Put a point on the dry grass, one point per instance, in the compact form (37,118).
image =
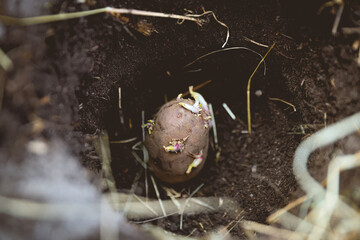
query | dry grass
(249,85)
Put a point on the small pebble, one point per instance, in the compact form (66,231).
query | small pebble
(258,93)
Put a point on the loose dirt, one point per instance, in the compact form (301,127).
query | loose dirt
(68,73)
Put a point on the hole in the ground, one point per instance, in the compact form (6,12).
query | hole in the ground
(249,168)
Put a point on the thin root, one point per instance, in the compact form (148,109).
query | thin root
(221,23)
(278,99)
(256,43)
(226,49)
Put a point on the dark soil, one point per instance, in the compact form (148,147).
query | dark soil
(80,64)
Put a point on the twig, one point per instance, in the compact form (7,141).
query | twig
(236,223)
(191,233)
(291,222)
(119,92)
(217,147)
(124,141)
(278,99)
(287,36)
(158,195)
(33,210)
(136,156)
(45,211)
(154,219)
(272,231)
(136,146)
(214,125)
(142,124)
(103,150)
(248,87)
(146,160)
(304,208)
(143,162)
(137,209)
(195,70)
(237,220)
(121,114)
(145,204)
(66,16)
(48,18)
(132,190)
(201,203)
(172,197)
(350,30)
(186,202)
(274,217)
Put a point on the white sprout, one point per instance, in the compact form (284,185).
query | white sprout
(325,210)
(228,110)
(325,201)
(319,139)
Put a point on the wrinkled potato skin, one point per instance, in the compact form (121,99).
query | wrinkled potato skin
(175,122)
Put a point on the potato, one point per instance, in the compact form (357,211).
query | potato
(177,140)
